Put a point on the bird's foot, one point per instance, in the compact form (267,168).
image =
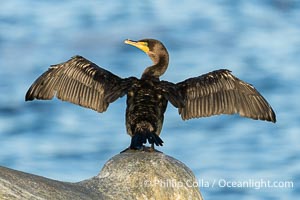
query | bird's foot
(143,148)
(131,149)
(152,147)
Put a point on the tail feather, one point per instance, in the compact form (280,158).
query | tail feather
(141,138)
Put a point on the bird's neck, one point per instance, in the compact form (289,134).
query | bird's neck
(160,65)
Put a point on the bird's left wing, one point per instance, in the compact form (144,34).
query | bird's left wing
(78,81)
(219,92)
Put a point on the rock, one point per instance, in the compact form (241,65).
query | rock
(146,175)
(19,185)
(129,175)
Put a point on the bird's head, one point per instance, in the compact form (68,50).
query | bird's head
(156,51)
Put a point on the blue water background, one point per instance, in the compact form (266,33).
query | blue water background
(258,40)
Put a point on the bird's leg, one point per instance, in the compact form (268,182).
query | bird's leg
(152,147)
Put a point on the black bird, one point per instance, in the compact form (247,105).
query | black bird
(82,82)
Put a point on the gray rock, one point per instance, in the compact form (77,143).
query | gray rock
(129,175)
(19,185)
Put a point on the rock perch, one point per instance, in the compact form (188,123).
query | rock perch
(129,175)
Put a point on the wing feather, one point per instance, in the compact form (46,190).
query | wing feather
(78,81)
(219,92)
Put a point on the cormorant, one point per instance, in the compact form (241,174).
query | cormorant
(82,82)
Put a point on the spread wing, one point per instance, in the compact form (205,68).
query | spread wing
(219,92)
(78,81)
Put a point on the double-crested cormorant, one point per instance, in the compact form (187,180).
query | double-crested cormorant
(82,82)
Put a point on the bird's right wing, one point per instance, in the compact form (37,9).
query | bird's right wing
(78,81)
(219,92)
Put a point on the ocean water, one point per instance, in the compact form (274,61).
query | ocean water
(232,157)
